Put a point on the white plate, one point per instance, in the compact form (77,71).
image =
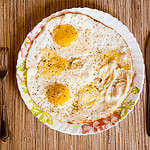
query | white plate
(101,124)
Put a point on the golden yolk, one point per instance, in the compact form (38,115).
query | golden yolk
(64,34)
(111,55)
(51,64)
(89,95)
(58,94)
(114,55)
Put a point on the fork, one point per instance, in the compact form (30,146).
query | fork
(4,130)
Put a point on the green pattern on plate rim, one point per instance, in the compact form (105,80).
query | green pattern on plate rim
(85,128)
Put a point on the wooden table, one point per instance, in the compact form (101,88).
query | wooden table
(17,18)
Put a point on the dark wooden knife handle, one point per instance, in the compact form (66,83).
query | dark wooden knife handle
(148,107)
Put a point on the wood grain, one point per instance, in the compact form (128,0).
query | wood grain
(17,18)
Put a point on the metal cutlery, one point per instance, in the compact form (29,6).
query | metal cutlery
(4,130)
(147,61)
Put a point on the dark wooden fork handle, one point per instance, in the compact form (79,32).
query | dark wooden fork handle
(4,134)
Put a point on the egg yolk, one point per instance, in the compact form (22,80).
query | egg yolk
(64,34)
(51,64)
(58,94)
(89,95)
(114,55)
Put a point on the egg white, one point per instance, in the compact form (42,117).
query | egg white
(93,40)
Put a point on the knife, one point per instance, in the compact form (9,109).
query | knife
(147,61)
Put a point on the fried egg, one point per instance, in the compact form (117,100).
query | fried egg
(78,69)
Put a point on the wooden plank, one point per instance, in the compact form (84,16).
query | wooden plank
(18,17)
